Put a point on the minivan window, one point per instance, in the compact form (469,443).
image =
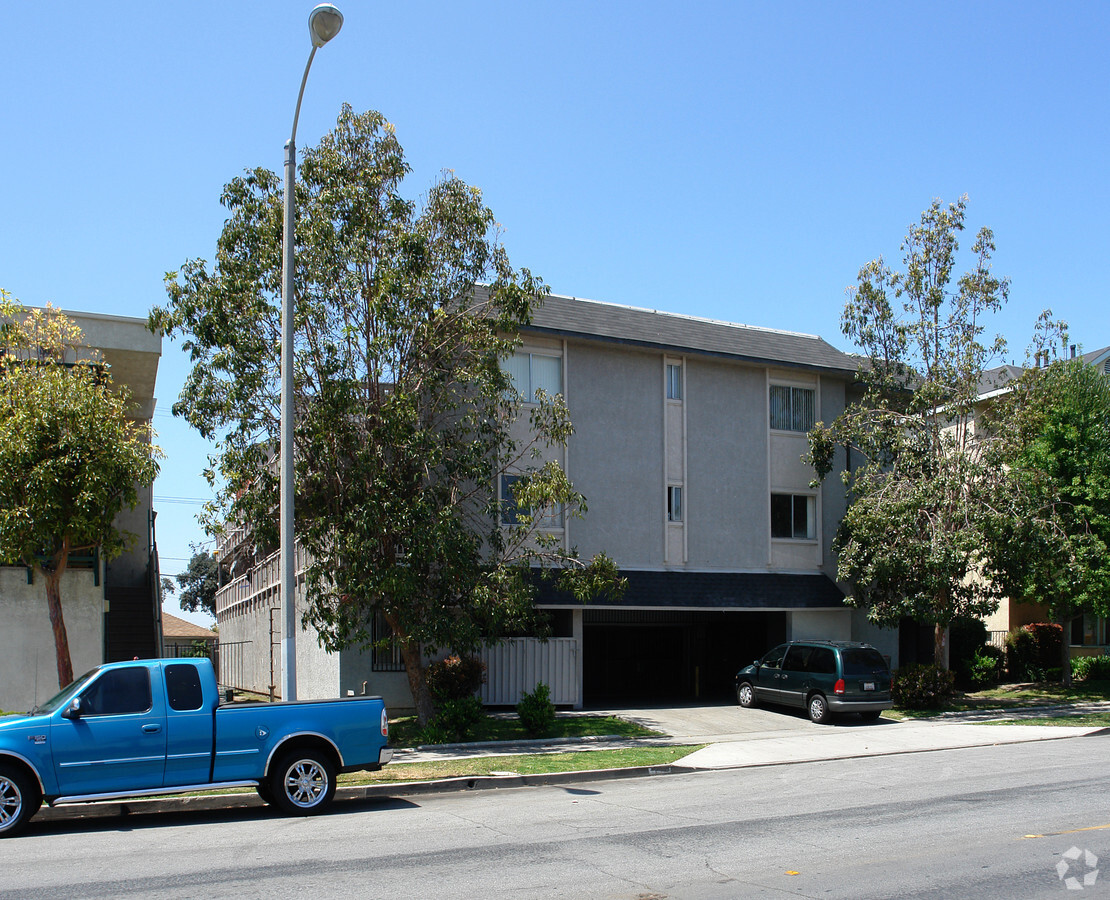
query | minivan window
(862,661)
(773,659)
(796,659)
(822,661)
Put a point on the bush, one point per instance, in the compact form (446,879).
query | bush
(1033,650)
(1090,668)
(922,687)
(536,711)
(967,635)
(986,669)
(455,677)
(454,721)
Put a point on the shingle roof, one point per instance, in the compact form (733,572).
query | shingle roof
(173,627)
(575,317)
(711,590)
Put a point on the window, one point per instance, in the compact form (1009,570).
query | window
(116,692)
(793,516)
(674,503)
(531,372)
(183,687)
(512,511)
(821,661)
(385,649)
(674,381)
(792,408)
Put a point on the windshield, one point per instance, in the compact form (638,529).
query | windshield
(63,695)
(862,661)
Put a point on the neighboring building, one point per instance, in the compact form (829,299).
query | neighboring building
(1087,634)
(182,638)
(111,611)
(688,441)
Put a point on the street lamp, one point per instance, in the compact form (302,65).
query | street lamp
(324,23)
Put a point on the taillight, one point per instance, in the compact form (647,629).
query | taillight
(385,724)
(838,688)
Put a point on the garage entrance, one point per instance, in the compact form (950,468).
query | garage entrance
(653,656)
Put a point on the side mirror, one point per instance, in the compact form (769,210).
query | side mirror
(73,710)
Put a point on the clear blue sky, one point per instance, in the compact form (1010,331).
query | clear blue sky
(731,160)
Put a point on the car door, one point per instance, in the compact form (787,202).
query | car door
(116,741)
(792,688)
(768,675)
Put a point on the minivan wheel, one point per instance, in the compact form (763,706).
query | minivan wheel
(818,709)
(745,695)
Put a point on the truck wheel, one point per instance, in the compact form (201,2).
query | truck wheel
(19,800)
(745,695)
(265,793)
(303,783)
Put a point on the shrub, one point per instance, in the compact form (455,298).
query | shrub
(922,687)
(967,635)
(455,677)
(454,720)
(986,669)
(1033,650)
(536,711)
(1090,668)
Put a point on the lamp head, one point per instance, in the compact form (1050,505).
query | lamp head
(324,23)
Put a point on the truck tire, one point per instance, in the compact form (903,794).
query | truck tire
(19,799)
(302,783)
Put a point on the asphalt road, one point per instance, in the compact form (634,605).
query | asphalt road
(983,822)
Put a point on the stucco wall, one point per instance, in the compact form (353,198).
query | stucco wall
(28,667)
(820,625)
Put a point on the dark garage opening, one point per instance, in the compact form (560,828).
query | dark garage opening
(654,656)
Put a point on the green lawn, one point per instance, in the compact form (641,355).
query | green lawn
(1016,696)
(404,732)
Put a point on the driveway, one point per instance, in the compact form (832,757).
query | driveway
(725,722)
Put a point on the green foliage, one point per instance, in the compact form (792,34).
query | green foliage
(536,711)
(922,687)
(1091,668)
(199,583)
(967,637)
(1033,651)
(1053,544)
(71,458)
(455,677)
(454,721)
(985,669)
(405,416)
(920,490)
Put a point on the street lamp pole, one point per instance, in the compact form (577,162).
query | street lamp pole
(324,23)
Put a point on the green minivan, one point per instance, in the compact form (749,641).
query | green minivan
(823,677)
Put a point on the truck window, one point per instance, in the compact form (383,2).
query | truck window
(183,687)
(118,692)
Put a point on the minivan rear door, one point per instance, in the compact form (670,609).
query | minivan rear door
(866,674)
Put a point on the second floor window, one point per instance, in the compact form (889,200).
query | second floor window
(674,381)
(793,408)
(794,516)
(674,503)
(531,372)
(512,510)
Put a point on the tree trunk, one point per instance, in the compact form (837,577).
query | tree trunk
(940,645)
(413,656)
(57,620)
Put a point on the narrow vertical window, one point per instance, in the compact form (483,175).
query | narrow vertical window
(674,503)
(674,381)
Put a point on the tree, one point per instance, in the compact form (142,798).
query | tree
(405,415)
(199,583)
(922,489)
(1053,547)
(70,458)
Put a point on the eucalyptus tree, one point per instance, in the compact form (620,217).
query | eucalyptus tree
(405,314)
(70,457)
(922,489)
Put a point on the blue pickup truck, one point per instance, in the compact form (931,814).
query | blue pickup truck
(157,726)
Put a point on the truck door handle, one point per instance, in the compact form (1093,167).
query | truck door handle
(152,729)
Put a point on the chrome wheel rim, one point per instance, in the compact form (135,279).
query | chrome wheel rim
(817,709)
(306,783)
(11,802)
(745,694)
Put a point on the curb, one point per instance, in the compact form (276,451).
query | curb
(248,800)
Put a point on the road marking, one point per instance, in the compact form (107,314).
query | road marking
(1072,831)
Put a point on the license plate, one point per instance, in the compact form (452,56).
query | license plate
(869,685)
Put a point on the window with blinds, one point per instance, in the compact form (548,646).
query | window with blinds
(793,408)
